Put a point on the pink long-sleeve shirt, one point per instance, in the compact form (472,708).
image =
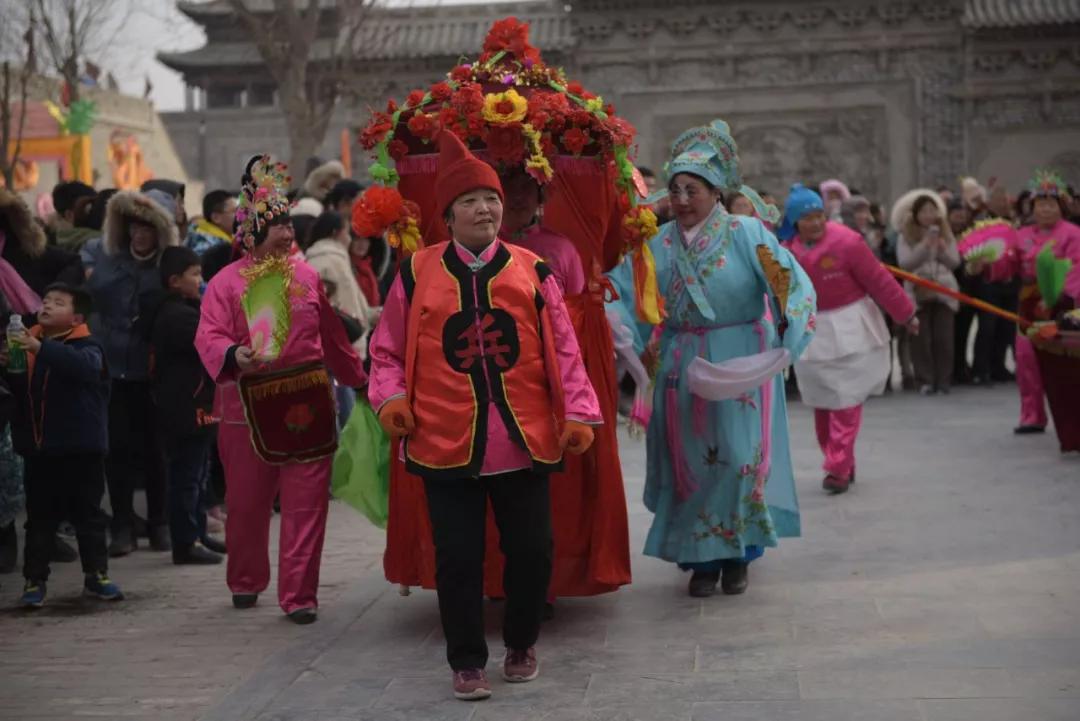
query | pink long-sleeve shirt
(558,252)
(844,270)
(1019,258)
(502,455)
(316,334)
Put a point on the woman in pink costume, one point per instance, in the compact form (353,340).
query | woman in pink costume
(278,430)
(848,359)
(1050,227)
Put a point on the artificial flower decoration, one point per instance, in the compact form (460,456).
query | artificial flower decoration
(1048,184)
(514,111)
(262,197)
(383,211)
(505,108)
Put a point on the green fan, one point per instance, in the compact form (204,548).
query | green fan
(1050,271)
(266,306)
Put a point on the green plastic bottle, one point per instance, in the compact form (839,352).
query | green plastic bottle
(16,353)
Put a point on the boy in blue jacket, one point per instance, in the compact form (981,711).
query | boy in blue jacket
(62,434)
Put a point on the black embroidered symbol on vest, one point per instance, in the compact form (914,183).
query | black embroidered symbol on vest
(471,335)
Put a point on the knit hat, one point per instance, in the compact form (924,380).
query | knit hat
(972,192)
(708,152)
(800,202)
(836,185)
(460,172)
(307,206)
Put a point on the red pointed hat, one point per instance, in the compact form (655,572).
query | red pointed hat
(460,172)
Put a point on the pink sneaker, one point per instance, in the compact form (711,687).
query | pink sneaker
(471,685)
(520,666)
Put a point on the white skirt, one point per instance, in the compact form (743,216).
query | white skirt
(848,359)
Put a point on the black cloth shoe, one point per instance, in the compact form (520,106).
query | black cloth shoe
(1028,430)
(703,583)
(304,616)
(214,544)
(159,538)
(194,555)
(63,552)
(123,543)
(244,600)
(735,577)
(9,548)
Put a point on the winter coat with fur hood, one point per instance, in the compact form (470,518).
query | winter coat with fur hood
(25,247)
(119,282)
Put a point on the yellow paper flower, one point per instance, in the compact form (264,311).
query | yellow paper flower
(505,108)
(540,165)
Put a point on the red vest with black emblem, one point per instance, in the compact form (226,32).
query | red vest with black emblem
(477,339)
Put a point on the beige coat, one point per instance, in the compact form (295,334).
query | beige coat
(331,260)
(914,253)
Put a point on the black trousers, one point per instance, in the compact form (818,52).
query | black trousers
(64,488)
(189,467)
(136,457)
(458,511)
(995,335)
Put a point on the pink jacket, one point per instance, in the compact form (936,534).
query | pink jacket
(559,253)
(1019,258)
(502,455)
(844,270)
(316,334)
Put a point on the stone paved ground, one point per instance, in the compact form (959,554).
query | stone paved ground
(945,587)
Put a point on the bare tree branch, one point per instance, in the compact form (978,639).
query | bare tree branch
(308,47)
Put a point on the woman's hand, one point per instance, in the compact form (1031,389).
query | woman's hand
(245,359)
(913,325)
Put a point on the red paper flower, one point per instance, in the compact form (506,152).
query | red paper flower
(416,97)
(575,88)
(469,99)
(376,210)
(375,131)
(391,106)
(299,418)
(441,92)
(423,126)
(461,74)
(398,149)
(506,143)
(575,140)
(512,36)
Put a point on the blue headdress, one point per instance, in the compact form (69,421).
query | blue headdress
(800,201)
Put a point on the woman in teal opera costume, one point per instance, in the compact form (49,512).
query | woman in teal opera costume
(739,307)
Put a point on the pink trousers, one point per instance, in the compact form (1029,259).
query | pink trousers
(1029,381)
(250,487)
(836,433)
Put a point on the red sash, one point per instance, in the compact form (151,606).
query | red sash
(291,413)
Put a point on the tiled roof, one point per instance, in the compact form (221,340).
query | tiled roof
(449,31)
(986,14)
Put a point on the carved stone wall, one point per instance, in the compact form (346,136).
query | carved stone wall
(886,94)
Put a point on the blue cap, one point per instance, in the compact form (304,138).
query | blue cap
(800,201)
(708,152)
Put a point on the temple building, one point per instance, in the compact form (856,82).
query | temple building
(884,94)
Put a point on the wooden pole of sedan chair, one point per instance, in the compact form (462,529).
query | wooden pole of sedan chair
(962,297)
(346,152)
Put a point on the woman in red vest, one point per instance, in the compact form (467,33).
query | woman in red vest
(476,364)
